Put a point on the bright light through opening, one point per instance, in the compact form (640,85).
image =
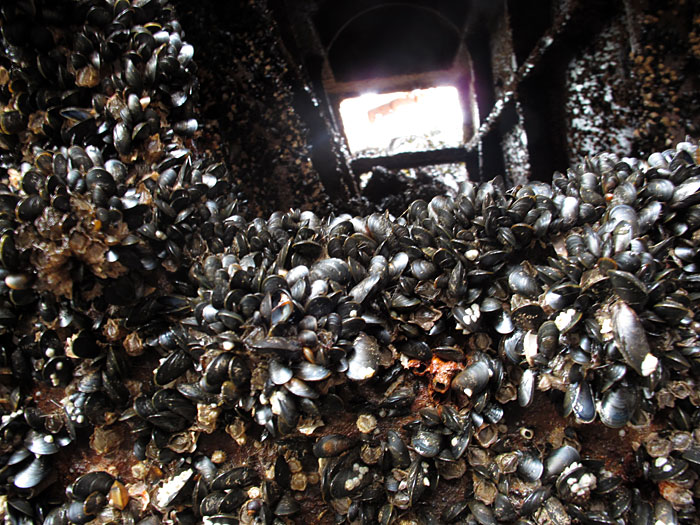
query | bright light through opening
(392,123)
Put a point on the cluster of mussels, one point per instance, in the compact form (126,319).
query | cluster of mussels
(164,359)
(252,102)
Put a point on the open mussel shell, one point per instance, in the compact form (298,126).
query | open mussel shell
(213,503)
(94,503)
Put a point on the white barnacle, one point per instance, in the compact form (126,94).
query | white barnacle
(649,364)
(586,483)
(275,403)
(660,462)
(166,494)
(564,318)
(530,346)
(362,372)
(354,482)
(366,423)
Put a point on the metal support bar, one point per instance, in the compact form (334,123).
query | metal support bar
(414,159)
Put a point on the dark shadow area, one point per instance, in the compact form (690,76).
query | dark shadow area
(529,19)
(392,40)
(543,94)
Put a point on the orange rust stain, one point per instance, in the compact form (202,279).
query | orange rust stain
(391,106)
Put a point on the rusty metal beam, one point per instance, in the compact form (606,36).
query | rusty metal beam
(415,159)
